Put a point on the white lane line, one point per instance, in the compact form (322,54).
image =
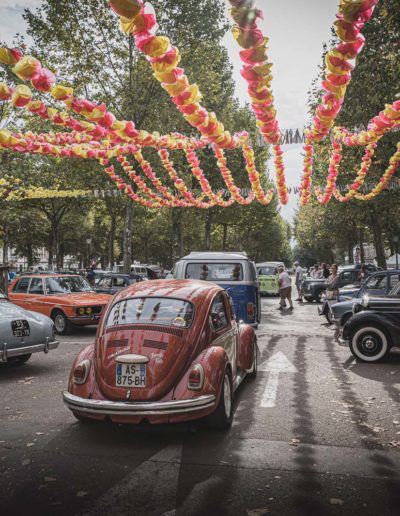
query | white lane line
(143,491)
(276,365)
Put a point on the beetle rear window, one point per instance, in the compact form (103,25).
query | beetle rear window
(159,311)
(214,271)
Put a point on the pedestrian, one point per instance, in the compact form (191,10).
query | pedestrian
(91,276)
(325,271)
(298,279)
(285,288)
(332,284)
(363,274)
(315,272)
(11,274)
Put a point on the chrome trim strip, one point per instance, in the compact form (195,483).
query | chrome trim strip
(158,408)
(92,317)
(15,352)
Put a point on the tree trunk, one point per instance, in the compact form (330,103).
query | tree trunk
(350,252)
(177,236)
(111,240)
(378,242)
(50,249)
(225,237)
(128,230)
(6,244)
(361,245)
(207,232)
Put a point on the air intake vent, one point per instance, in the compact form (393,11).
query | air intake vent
(148,327)
(155,344)
(116,343)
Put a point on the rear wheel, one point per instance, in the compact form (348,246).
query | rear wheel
(221,418)
(369,344)
(62,325)
(19,360)
(253,372)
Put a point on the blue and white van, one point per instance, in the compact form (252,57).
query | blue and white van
(232,271)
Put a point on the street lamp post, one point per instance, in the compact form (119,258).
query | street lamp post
(396,243)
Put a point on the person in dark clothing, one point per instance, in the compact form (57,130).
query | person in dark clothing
(325,271)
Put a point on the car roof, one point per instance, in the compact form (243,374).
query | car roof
(269,264)
(48,275)
(205,255)
(195,291)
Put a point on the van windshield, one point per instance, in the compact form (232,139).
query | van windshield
(214,271)
(160,311)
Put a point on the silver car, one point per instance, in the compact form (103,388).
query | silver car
(23,333)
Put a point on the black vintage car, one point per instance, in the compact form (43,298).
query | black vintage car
(313,288)
(374,327)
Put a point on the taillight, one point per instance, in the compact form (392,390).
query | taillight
(196,378)
(81,372)
(250,311)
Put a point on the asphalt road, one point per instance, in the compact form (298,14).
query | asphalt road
(315,433)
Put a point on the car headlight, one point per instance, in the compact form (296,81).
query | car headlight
(81,311)
(89,310)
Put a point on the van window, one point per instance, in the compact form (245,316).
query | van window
(214,271)
(266,271)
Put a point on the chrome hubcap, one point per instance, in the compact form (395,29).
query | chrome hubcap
(59,323)
(369,343)
(227,396)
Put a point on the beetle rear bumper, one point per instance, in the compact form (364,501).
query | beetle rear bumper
(121,408)
(7,353)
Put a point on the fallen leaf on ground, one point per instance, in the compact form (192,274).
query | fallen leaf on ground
(336,501)
(28,445)
(396,444)
(81,493)
(258,512)
(25,462)
(39,433)
(50,479)
(294,442)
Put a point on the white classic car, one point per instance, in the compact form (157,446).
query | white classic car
(23,333)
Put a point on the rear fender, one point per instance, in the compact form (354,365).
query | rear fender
(87,388)
(214,361)
(247,336)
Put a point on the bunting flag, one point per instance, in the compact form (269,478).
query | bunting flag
(91,131)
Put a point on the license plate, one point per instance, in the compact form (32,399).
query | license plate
(20,328)
(130,375)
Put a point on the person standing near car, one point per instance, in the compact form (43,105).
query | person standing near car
(285,288)
(332,284)
(298,279)
(325,271)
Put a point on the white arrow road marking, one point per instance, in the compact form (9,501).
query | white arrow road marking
(276,365)
(150,487)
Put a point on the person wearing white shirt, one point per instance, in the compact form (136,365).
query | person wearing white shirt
(285,288)
(299,278)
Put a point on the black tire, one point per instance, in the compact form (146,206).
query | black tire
(17,361)
(318,297)
(253,372)
(62,325)
(221,418)
(369,343)
(345,318)
(309,299)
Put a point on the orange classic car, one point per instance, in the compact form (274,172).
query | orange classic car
(68,299)
(166,351)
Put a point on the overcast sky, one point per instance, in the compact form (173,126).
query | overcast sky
(296,31)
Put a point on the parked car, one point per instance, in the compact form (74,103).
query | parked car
(313,288)
(23,333)
(378,284)
(374,327)
(232,271)
(68,300)
(112,283)
(166,351)
(268,277)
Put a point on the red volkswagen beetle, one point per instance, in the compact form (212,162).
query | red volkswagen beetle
(166,351)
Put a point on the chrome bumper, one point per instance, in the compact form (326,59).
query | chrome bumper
(7,353)
(122,408)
